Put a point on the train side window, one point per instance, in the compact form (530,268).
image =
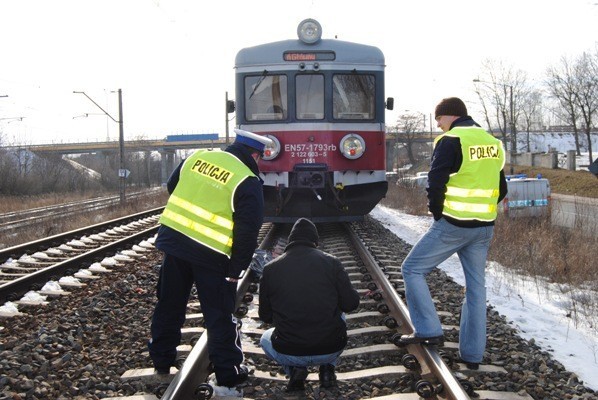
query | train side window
(310,96)
(353,96)
(266,97)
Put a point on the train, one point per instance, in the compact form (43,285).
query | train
(322,103)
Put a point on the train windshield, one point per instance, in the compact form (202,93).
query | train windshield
(309,96)
(353,96)
(266,97)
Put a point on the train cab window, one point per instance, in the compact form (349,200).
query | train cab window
(310,96)
(266,97)
(353,96)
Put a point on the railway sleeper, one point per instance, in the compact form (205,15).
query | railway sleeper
(148,375)
(481,395)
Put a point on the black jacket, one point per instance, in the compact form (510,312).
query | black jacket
(248,218)
(447,159)
(303,293)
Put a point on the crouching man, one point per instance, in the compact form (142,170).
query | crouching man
(304,293)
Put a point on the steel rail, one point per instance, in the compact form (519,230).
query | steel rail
(14,215)
(53,213)
(194,370)
(56,240)
(14,289)
(429,359)
(24,218)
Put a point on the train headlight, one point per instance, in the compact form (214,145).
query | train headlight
(309,31)
(352,146)
(271,151)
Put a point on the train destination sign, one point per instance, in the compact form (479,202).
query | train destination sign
(309,56)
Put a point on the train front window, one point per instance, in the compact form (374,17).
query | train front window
(266,97)
(353,96)
(310,96)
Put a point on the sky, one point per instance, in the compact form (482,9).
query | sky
(174,59)
(538,313)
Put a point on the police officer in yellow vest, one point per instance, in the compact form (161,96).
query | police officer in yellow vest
(465,184)
(208,234)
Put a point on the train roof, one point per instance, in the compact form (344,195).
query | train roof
(346,52)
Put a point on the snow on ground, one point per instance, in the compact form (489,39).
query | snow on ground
(537,311)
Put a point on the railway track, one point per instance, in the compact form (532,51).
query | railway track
(28,266)
(12,222)
(402,373)
(92,342)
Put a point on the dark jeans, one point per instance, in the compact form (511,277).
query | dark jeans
(217,298)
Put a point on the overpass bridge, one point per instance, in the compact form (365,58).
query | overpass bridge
(130,145)
(165,147)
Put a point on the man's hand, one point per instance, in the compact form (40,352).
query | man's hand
(233,280)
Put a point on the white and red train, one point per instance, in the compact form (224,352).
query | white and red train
(322,103)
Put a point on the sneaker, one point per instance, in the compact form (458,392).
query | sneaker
(412,339)
(297,379)
(327,376)
(240,377)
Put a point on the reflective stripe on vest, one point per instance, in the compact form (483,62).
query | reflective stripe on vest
(202,213)
(199,228)
(472,192)
(459,192)
(469,207)
(201,206)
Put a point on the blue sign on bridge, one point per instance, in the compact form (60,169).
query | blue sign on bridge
(192,137)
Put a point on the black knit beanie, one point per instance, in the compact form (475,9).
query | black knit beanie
(451,106)
(304,230)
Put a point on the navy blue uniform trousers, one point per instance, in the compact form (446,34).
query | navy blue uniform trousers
(217,298)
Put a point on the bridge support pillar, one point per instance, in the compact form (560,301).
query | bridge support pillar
(390,155)
(167,164)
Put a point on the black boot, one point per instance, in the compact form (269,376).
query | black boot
(240,376)
(470,364)
(327,376)
(297,378)
(162,370)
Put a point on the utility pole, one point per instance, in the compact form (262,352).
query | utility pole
(397,148)
(431,138)
(122,172)
(513,129)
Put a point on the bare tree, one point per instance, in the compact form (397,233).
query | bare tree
(586,96)
(499,89)
(562,86)
(410,127)
(481,95)
(24,160)
(8,173)
(531,112)
(49,174)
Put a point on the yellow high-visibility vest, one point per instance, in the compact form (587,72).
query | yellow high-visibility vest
(201,206)
(472,192)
